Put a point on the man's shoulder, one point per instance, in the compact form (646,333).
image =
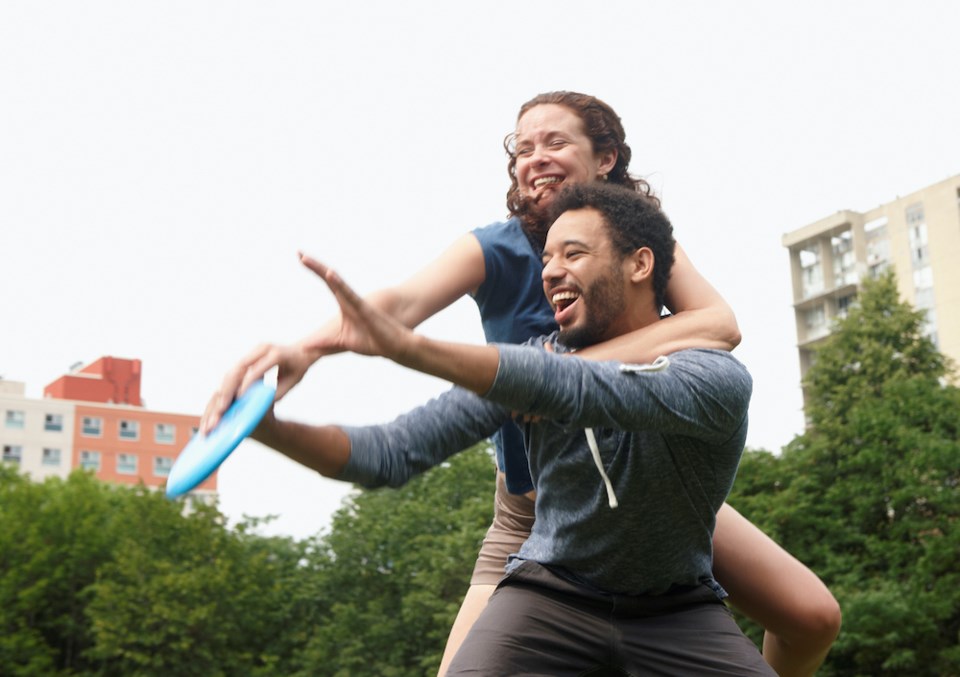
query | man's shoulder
(712,365)
(706,356)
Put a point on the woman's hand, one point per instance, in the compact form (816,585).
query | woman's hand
(292,363)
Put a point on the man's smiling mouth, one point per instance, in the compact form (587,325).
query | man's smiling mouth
(562,299)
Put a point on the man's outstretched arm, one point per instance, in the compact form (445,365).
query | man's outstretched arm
(705,391)
(391,453)
(325,449)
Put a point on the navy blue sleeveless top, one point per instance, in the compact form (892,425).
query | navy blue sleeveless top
(513,309)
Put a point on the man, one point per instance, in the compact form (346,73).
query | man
(630,462)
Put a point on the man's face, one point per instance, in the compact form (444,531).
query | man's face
(584,279)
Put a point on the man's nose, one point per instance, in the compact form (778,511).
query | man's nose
(551,271)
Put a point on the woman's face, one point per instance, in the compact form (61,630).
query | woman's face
(552,149)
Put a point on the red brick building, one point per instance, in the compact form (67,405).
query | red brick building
(93,418)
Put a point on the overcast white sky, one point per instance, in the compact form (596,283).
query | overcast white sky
(162,162)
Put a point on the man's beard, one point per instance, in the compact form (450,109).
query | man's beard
(605,302)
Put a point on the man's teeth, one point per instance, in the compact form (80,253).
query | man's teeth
(546,180)
(562,296)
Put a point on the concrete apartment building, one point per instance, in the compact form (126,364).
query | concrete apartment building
(93,418)
(918,236)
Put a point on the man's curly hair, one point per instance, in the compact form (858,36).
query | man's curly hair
(633,220)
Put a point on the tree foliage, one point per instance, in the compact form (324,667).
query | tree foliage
(394,569)
(108,580)
(868,495)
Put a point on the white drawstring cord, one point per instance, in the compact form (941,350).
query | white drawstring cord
(595,451)
(659,364)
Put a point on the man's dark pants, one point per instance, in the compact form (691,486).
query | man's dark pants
(538,623)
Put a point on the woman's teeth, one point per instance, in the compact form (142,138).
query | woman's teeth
(546,180)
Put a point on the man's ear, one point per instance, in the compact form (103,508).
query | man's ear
(641,265)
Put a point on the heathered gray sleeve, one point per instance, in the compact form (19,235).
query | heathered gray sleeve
(392,453)
(701,393)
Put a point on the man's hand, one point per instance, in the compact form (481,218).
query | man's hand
(363,328)
(368,331)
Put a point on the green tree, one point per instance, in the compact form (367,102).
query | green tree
(53,537)
(182,595)
(868,495)
(390,575)
(878,343)
(101,579)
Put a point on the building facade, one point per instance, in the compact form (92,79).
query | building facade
(918,236)
(93,418)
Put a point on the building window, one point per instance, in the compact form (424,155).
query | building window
(878,244)
(844,304)
(923,278)
(92,426)
(14,419)
(816,323)
(90,460)
(919,251)
(165,433)
(811,273)
(127,464)
(844,263)
(12,453)
(162,466)
(53,423)
(129,430)
(929,326)
(915,214)
(923,298)
(878,269)
(51,457)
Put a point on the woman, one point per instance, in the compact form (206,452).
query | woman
(565,137)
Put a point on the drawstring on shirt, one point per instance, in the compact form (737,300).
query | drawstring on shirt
(595,452)
(659,364)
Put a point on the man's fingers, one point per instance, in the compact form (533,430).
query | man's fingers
(334,281)
(342,290)
(344,293)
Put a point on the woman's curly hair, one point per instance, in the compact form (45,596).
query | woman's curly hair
(603,127)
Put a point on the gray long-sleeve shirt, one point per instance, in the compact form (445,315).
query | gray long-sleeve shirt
(670,441)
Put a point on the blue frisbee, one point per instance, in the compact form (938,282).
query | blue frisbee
(204,453)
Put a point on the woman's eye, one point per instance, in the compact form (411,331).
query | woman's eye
(558,143)
(524,150)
